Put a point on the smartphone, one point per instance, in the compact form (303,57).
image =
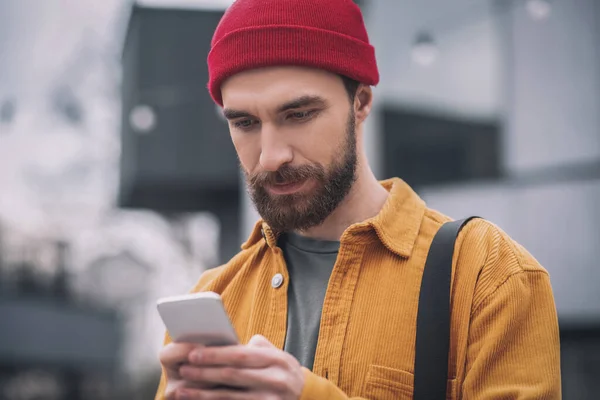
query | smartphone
(198,318)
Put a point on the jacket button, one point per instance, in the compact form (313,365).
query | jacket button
(277,281)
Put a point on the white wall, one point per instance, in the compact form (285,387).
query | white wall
(554,98)
(465,79)
(558,224)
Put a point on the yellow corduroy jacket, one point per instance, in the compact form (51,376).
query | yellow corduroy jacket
(504,329)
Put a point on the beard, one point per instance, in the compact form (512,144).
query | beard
(301,211)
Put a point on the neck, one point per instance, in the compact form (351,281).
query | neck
(365,199)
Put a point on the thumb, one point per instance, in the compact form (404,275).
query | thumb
(260,341)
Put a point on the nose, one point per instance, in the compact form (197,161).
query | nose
(275,152)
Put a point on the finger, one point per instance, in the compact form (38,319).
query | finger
(272,379)
(218,394)
(174,386)
(237,356)
(260,341)
(174,354)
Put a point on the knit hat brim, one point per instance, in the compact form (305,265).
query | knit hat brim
(281,45)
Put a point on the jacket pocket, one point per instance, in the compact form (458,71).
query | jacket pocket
(383,383)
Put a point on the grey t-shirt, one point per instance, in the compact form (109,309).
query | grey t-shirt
(309,263)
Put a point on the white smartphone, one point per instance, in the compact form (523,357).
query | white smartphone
(198,318)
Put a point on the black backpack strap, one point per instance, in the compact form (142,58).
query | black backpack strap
(433,316)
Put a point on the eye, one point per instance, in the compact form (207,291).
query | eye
(244,124)
(301,115)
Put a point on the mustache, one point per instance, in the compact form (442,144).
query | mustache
(286,174)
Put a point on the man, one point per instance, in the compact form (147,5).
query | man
(324,293)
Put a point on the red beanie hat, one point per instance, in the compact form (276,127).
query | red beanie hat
(325,34)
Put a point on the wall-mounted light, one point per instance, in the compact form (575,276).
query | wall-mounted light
(538,9)
(424,50)
(142,118)
(7,111)
(66,104)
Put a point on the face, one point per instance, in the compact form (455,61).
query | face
(294,132)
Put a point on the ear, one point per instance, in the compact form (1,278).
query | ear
(363,102)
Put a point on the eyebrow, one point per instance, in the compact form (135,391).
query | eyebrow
(302,101)
(235,114)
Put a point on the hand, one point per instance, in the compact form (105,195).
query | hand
(256,371)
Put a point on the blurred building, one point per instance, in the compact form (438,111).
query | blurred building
(111,147)
(60,102)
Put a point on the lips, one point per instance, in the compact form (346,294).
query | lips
(286,188)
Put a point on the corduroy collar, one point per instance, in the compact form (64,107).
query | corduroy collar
(397,224)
